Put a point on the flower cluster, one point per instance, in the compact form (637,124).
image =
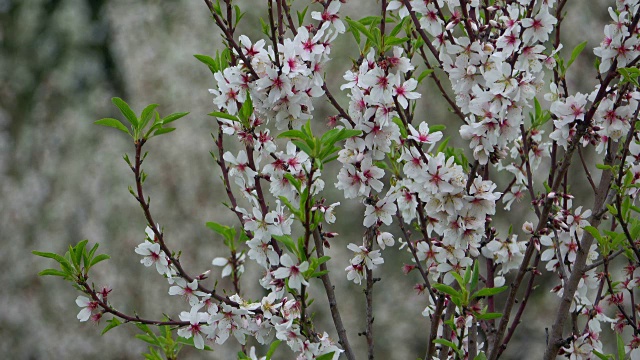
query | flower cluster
(399,167)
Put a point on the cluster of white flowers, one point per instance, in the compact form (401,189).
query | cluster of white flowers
(272,315)
(281,83)
(455,215)
(495,78)
(288,78)
(611,120)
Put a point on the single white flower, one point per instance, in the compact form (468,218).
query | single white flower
(87,305)
(197,326)
(292,271)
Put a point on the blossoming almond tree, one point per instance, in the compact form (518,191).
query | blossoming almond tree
(499,57)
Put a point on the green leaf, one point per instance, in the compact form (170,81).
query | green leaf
(126,111)
(292,134)
(630,75)
(424,74)
(346,134)
(272,348)
(467,275)
(114,123)
(329,159)
(361,28)
(52,272)
(239,14)
(459,279)
(390,41)
(370,20)
(446,343)
(247,109)
(488,316)
(396,29)
(209,61)
(446,289)
(327,356)
(78,251)
(318,274)
(224,116)
(620,347)
(111,324)
(480,356)
(173,117)
(475,276)
(435,128)
(146,115)
(576,51)
(227,232)
(189,342)
(301,15)
(594,232)
(443,145)
(98,259)
(304,147)
(490,291)
(148,339)
(53,256)
(403,129)
(163,131)
(287,241)
(603,356)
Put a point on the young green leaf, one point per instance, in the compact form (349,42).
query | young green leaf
(361,29)
(490,291)
(488,316)
(327,356)
(173,117)
(446,289)
(620,347)
(56,257)
(147,114)
(424,74)
(98,259)
(126,111)
(163,131)
(114,123)
(576,51)
(301,15)
(111,324)
(272,348)
(52,272)
(223,116)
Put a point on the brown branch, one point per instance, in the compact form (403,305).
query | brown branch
(586,170)
(368,292)
(556,338)
(434,77)
(412,248)
(137,171)
(423,35)
(433,331)
(331,297)
(527,163)
(523,304)
(127,318)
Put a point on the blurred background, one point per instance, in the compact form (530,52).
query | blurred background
(62,178)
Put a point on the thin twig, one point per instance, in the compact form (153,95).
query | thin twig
(331,297)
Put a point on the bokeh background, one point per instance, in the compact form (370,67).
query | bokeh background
(62,178)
